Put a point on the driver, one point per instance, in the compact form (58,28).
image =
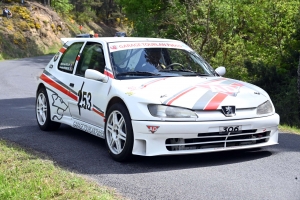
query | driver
(153,57)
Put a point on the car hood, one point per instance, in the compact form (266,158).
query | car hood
(197,93)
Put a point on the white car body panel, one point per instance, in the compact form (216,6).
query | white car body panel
(204,95)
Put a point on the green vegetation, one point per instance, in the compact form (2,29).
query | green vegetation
(257,41)
(289,129)
(26,176)
(21,36)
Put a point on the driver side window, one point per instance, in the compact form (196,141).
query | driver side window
(92,57)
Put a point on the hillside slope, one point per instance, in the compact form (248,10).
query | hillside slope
(36,30)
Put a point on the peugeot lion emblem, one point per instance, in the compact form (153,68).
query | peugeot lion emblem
(228,111)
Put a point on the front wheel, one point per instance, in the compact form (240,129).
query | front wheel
(43,112)
(118,133)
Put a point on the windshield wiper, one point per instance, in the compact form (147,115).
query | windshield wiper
(138,73)
(184,70)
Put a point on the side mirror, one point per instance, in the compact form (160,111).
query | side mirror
(95,75)
(220,71)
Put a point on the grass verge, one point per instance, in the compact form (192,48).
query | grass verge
(289,129)
(26,176)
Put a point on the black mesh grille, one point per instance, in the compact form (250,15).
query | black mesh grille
(216,139)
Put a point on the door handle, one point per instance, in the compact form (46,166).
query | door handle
(71,84)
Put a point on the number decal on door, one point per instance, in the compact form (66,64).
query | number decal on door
(84,99)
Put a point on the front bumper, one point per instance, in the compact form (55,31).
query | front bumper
(174,138)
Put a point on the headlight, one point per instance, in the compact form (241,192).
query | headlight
(264,108)
(170,112)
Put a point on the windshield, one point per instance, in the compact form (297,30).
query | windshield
(139,62)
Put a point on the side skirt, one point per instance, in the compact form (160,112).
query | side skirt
(91,129)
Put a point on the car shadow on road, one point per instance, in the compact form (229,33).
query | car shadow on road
(83,153)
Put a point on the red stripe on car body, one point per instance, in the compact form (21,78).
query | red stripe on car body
(181,94)
(237,84)
(192,88)
(62,50)
(98,112)
(214,103)
(109,74)
(57,86)
(151,82)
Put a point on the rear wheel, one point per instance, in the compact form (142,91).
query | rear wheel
(43,112)
(118,133)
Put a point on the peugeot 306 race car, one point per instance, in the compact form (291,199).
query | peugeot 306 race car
(149,96)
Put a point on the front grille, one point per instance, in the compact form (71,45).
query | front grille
(216,139)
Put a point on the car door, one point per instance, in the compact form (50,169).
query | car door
(58,75)
(92,94)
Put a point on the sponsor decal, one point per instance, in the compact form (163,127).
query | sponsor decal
(132,45)
(152,129)
(132,88)
(89,129)
(66,66)
(60,105)
(130,93)
(113,47)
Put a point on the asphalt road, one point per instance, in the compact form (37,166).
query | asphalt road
(270,173)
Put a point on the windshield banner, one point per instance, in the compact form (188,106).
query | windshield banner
(118,46)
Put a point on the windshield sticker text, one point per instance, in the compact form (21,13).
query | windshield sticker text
(131,45)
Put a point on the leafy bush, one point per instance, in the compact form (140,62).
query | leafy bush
(22,12)
(23,26)
(37,25)
(19,39)
(8,24)
(282,88)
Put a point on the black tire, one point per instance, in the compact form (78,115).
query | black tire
(119,134)
(42,111)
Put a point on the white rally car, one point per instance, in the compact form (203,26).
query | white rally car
(149,96)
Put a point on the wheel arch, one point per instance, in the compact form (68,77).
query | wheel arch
(113,101)
(40,86)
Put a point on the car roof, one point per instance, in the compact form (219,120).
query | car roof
(83,34)
(120,39)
